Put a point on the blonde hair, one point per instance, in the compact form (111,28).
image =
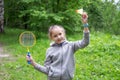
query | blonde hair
(53,27)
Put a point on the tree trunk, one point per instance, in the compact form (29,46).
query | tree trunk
(1,16)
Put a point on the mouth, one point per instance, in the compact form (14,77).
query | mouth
(60,40)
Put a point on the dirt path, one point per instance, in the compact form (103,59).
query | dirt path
(3,54)
(5,58)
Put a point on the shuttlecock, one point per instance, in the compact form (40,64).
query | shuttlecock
(80,11)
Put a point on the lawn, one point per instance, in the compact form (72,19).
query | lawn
(98,61)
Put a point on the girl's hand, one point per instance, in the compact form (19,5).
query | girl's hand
(85,21)
(84,17)
(29,58)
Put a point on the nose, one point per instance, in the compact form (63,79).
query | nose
(58,37)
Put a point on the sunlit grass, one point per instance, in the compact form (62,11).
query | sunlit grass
(99,61)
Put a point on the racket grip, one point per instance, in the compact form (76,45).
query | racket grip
(28,54)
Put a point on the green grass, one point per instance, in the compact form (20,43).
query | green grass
(99,61)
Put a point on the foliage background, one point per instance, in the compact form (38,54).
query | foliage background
(99,61)
(38,15)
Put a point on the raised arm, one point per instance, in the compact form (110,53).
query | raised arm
(85,21)
(85,41)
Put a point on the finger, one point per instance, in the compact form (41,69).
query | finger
(84,15)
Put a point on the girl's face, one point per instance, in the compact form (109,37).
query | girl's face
(58,35)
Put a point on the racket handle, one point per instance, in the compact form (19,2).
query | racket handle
(28,54)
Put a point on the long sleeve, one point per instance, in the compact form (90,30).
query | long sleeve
(81,43)
(45,68)
(41,68)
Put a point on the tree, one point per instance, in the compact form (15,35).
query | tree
(38,15)
(1,16)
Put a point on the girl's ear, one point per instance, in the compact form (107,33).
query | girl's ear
(64,35)
(50,37)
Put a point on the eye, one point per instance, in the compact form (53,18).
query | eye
(55,36)
(60,33)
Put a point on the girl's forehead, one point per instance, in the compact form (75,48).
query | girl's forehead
(57,30)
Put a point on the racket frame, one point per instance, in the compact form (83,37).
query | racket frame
(29,32)
(20,41)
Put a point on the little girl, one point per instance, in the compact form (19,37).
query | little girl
(59,63)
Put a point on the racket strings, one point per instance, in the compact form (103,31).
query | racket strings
(27,39)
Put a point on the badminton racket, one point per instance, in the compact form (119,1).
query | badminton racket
(27,39)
